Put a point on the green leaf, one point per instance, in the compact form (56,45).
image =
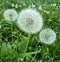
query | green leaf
(23,44)
(30,53)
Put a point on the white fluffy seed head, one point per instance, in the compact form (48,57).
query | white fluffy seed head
(47,36)
(30,21)
(10,15)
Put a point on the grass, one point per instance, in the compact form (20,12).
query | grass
(13,43)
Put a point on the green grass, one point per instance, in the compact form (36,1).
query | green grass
(13,43)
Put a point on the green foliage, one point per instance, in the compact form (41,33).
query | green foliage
(13,42)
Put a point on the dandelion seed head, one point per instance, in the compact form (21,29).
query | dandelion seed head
(47,36)
(30,21)
(10,15)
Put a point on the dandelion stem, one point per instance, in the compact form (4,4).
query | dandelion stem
(26,46)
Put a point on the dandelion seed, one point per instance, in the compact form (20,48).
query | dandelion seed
(10,15)
(47,36)
(30,21)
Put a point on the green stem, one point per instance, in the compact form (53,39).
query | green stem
(35,54)
(11,32)
(34,57)
(26,46)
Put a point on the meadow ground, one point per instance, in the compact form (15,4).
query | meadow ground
(13,41)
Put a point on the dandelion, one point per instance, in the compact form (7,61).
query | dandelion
(47,36)
(30,21)
(10,15)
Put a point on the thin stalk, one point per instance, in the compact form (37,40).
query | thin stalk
(11,31)
(26,46)
(33,57)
